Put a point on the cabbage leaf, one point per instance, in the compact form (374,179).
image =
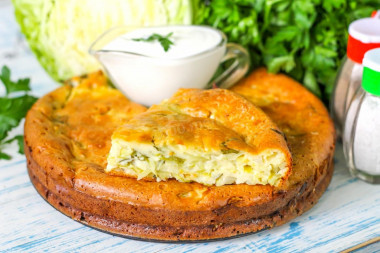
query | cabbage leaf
(60,32)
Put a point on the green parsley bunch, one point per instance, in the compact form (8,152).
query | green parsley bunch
(13,109)
(306,39)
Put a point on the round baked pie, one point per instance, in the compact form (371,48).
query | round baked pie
(68,136)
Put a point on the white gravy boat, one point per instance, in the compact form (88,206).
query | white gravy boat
(150,79)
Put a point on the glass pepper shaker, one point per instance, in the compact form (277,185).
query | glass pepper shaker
(364,35)
(361,136)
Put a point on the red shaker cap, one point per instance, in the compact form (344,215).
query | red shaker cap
(363,35)
(375,14)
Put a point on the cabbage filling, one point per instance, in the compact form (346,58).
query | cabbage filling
(208,167)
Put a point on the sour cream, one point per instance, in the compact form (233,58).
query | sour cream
(147,74)
(187,41)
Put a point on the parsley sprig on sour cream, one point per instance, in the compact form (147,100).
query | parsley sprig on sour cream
(164,40)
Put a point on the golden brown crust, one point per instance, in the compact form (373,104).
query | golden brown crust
(230,110)
(202,118)
(67,141)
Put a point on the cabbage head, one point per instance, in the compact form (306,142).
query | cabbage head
(60,32)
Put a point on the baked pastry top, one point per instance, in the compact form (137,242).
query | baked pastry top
(68,137)
(213,137)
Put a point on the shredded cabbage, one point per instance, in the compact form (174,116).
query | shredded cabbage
(187,164)
(60,32)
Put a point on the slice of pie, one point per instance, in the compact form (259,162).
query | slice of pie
(213,137)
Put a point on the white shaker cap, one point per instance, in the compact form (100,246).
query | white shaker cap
(367,30)
(372,59)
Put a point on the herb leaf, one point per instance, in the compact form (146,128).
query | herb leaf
(4,156)
(13,110)
(10,86)
(164,40)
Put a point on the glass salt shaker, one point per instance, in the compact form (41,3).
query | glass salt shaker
(364,35)
(361,135)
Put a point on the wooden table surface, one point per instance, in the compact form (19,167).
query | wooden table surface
(347,217)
